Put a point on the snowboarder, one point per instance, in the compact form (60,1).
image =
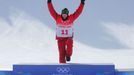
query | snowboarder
(64,30)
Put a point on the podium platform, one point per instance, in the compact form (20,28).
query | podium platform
(66,69)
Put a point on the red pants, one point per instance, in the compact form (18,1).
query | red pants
(65,46)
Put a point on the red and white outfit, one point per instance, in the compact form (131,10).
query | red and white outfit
(64,31)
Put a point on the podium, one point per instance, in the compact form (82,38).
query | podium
(64,69)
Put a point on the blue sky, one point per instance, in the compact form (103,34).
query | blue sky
(90,26)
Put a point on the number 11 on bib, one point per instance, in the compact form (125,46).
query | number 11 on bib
(64,32)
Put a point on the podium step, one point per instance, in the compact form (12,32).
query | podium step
(7,73)
(67,69)
(125,72)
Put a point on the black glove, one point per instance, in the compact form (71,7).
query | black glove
(48,1)
(83,1)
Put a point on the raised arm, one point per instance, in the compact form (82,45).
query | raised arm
(52,10)
(79,10)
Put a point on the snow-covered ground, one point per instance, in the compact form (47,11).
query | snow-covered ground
(29,41)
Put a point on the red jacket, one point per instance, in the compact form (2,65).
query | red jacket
(67,25)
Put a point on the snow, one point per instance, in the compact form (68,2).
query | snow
(29,41)
(123,32)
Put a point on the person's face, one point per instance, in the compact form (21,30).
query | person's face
(64,16)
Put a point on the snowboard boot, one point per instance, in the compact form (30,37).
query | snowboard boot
(68,58)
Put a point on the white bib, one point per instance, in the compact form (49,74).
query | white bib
(63,31)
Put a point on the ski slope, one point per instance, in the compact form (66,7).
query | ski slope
(26,40)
